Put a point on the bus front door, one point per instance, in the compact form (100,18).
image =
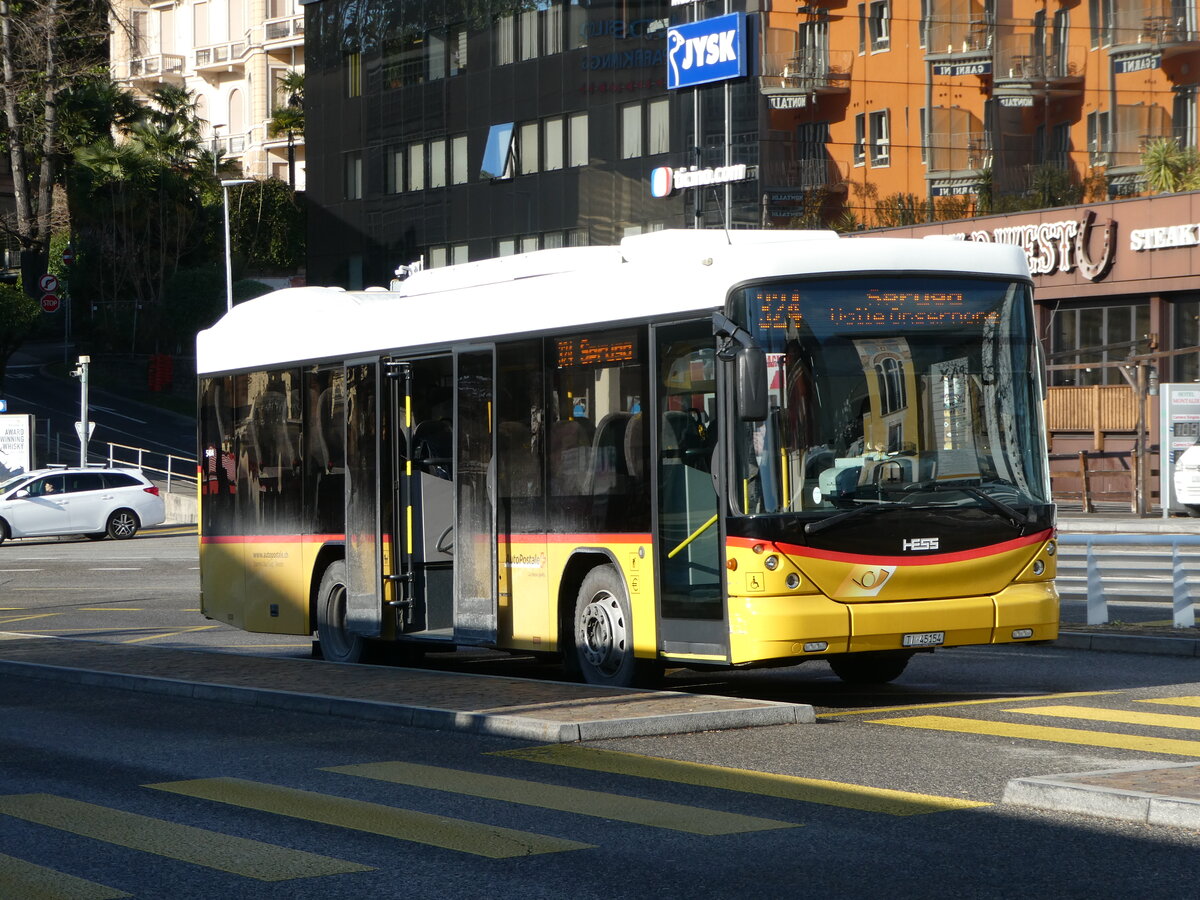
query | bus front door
(475,572)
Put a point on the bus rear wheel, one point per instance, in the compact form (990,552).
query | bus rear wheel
(870,668)
(603,631)
(338,644)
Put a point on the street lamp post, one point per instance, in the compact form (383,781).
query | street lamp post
(226,184)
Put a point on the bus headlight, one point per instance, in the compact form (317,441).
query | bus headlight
(1038,567)
(793,581)
(1021,633)
(771,562)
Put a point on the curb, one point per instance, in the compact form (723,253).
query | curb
(1058,793)
(1129,643)
(518,727)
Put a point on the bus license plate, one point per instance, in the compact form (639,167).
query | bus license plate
(924,639)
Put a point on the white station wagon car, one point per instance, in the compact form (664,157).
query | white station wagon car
(93,502)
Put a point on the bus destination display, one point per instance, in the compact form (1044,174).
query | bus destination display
(586,350)
(870,309)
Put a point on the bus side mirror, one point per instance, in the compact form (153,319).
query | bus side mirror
(751,384)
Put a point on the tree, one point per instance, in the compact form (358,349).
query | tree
(18,314)
(45,45)
(1167,167)
(289,118)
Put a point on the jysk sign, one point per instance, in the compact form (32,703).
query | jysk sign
(707,51)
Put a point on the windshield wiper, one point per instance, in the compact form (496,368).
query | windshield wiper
(822,524)
(1017,518)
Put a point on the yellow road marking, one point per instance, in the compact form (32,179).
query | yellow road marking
(171,633)
(1126,717)
(225,853)
(8,620)
(28,881)
(1175,701)
(1044,733)
(787,787)
(374,818)
(951,703)
(111,609)
(657,814)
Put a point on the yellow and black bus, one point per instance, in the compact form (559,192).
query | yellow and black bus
(695,449)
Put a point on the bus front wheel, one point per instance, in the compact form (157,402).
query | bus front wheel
(337,643)
(603,631)
(870,668)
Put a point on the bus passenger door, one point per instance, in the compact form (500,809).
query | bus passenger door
(475,572)
(368,498)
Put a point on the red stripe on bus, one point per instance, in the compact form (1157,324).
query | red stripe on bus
(271,538)
(933,559)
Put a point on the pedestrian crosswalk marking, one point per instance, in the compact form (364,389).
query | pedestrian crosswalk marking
(1175,701)
(1122,716)
(1172,746)
(673,816)
(225,853)
(479,839)
(28,881)
(787,787)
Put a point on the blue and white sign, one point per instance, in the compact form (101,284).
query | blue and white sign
(707,51)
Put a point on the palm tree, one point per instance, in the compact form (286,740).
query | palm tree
(289,118)
(1167,167)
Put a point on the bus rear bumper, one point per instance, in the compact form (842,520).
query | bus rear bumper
(796,626)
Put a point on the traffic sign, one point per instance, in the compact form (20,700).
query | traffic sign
(79,430)
(48,283)
(3,405)
(68,256)
(50,302)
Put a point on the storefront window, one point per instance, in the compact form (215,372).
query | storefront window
(1098,334)
(1186,333)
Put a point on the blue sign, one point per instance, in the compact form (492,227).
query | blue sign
(708,51)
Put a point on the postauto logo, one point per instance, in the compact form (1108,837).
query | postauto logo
(707,51)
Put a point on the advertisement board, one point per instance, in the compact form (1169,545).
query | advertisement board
(1179,461)
(706,51)
(16,444)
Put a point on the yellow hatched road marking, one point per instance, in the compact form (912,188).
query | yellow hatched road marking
(8,620)
(374,818)
(19,878)
(172,633)
(787,787)
(225,853)
(1125,717)
(1172,746)
(951,703)
(674,816)
(1175,701)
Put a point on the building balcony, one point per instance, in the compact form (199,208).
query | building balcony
(163,67)
(959,154)
(226,57)
(806,74)
(812,174)
(1021,74)
(284,32)
(1153,32)
(968,39)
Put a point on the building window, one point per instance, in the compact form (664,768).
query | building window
(880,138)
(552,27)
(497,155)
(529,243)
(506,247)
(527,148)
(577,138)
(438,257)
(881,20)
(353,74)
(860,139)
(631,130)
(506,40)
(1094,335)
(1183,116)
(552,144)
(577,14)
(403,59)
(353,181)
(456,42)
(1099,138)
(1101,14)
(393,173)
(578,237)
(658,133)
(889,374)
(416,167)
(458,254)
(437,163)
(552,240)
(862,28)
(435,57)
(528,41)
(458,159)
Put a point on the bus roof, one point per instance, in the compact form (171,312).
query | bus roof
(652,275)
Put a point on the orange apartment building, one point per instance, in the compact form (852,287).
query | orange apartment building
(891,103)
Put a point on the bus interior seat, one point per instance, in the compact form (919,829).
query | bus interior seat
(570,447)
(635,447)
(609,468)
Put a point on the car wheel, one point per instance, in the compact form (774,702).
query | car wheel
(3,531)
(337,643)
(122,525)
(97,536)
(870,668)
(603,631)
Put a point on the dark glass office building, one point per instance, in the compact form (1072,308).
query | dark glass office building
(459,130)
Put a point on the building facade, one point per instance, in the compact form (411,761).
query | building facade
(232,55)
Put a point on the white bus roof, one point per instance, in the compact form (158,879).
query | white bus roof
(651,275)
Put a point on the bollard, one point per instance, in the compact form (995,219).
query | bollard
(1097,607)
(1184,613)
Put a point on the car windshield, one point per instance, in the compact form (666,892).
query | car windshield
(11,483)
(917,390)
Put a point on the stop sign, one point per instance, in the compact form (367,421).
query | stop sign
(50,302)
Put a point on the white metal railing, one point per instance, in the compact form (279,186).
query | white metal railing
(1148,582)
(172,468)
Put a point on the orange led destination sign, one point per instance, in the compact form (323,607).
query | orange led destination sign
(872,308)
(596,351)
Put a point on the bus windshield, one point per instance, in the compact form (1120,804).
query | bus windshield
(921,390)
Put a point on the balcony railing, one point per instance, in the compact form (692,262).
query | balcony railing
(1157,24)
(959,151)
(807,72)
(282,29)
(226,54)
(156,68)
(959,38)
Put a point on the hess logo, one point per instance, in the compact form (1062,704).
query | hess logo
(912,545)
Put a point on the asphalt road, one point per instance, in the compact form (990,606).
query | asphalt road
(103,785)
